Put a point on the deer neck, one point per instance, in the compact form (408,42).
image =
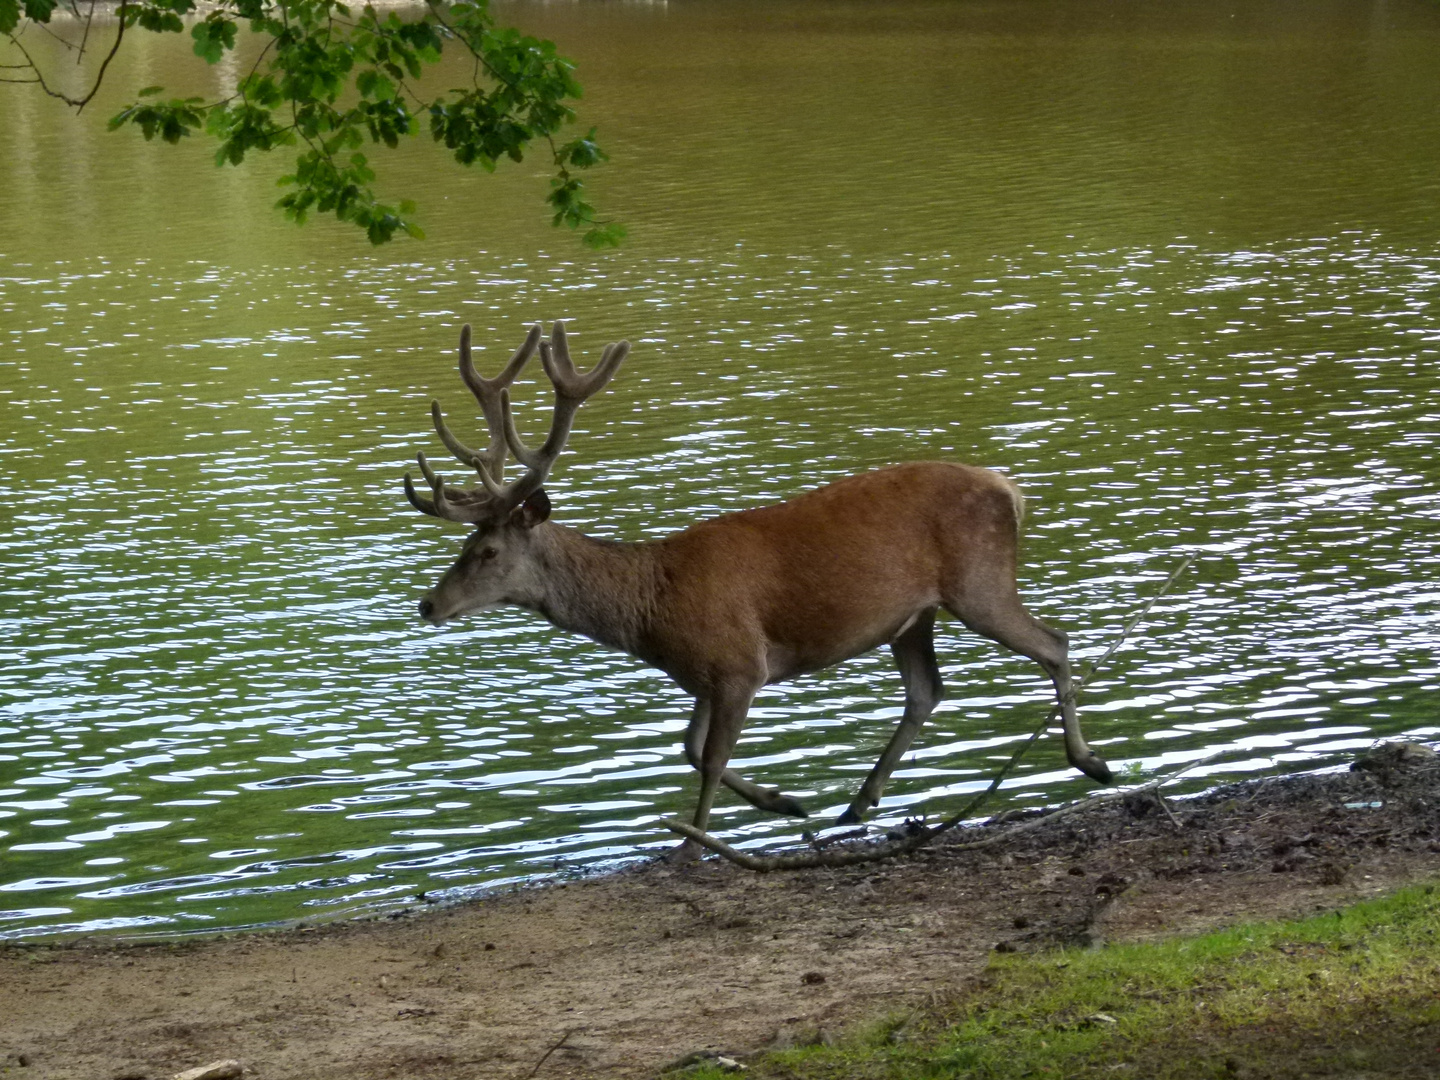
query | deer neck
(600,588)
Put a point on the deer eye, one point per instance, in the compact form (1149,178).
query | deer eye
(486,554)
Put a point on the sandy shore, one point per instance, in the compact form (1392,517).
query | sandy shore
(619,975)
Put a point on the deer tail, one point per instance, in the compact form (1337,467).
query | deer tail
(1018,500)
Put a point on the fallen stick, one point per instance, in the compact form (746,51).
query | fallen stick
(849,857)
(563,1040)
(764,864)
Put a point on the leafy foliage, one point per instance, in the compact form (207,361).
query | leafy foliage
(329,83)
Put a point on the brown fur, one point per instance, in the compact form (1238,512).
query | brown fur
(805,584)
(730,604)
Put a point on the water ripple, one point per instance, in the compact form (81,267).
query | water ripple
(217,707)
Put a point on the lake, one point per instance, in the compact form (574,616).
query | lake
(1171,266)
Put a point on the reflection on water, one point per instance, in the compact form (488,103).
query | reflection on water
(216,705)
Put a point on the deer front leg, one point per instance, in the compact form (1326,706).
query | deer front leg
(762,798)
(710,739)
(914,653)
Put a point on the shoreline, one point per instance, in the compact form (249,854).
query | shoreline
(650,963)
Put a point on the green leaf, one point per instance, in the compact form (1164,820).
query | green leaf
(261,90)
(156,18)
(9,15)
(151,91)
(582,153)
(212,37)
(609,235)
(39,10)
(374,86)
(171,120)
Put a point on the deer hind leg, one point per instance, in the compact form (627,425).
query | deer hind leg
(1001,617)
(914,653)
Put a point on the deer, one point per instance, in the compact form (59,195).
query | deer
(731,604)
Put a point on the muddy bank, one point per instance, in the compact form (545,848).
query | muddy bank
(617,976)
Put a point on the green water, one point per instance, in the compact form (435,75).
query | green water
(1173,266)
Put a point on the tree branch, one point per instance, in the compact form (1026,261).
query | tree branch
(312,51)
(77,103)
(46,30)
(89,15)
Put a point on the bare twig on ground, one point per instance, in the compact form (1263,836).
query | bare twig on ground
(852,856)
(1168,812)
(557,1045)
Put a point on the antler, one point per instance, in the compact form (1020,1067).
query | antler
(489,393)
(494,497)
(571,390)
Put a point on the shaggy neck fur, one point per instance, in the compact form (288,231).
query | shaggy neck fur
(599,588)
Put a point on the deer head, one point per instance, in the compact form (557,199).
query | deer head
(497,557)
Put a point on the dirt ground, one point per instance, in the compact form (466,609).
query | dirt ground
(617,976)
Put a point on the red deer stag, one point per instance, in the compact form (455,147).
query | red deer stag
(732,604)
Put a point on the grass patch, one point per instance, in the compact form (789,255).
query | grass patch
(1352,993)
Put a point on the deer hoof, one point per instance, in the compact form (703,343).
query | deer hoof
(784,804)
(688,851)
(1094,767)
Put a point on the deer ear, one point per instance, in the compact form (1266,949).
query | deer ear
(532,511)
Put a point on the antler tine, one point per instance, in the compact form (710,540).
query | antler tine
(452,504)
(523,454)
(424,505)
(487,392)
(571,390)
(437,487)
(555,357)
(462,453)
(420,502)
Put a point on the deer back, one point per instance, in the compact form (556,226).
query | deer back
(804,584)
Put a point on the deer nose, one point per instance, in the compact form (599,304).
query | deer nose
(426,609)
